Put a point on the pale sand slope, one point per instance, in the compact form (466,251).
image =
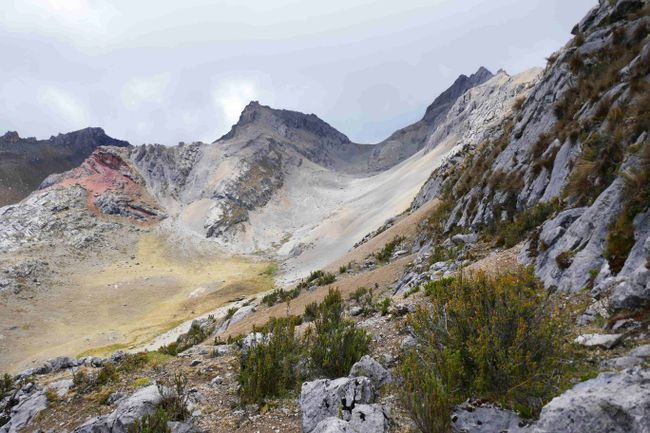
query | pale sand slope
(328,213)
(319,215)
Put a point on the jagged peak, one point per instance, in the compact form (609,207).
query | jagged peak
(460,86)
(260,116)
(11,136)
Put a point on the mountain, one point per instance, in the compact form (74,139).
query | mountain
(405,142)
(492,259)
(26,162)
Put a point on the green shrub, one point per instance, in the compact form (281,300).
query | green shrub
(151,423)
(565,259)
(311,311)
(270,367)
(85,383)
(231,312)
(335,343)
(424,395)
(174,397)
(170,349)
(510,233)
(6,385)
(386,252)
(384,305)
(317,278)
(343,269)
(280,295)
(620,238)
(51,395)
(495,338)
(359,293)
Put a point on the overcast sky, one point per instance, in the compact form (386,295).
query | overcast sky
(182,70)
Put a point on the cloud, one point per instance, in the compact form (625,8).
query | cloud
(81,22)
(231,96)
(68,112)
(143,90)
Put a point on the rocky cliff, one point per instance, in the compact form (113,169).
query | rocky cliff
(570,164)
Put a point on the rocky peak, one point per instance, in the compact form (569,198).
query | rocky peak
(263,117)
(11,137)
(462,84)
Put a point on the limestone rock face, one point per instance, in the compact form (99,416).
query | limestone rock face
(31,402)
(533,163)
(324,398)
(371,369)
(612,402)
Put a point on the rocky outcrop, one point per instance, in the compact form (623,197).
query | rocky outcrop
(530,160)
(475,116)
(26,162)
(26,404)
(612,402)
(142,402)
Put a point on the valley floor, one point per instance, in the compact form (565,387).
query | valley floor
(98,306)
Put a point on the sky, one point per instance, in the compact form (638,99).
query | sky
(165,71)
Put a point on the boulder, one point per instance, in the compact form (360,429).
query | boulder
(332,425)
(471,417)
(61,387)
(128,411)
(369,418)
(368,367)
(252,339)
(635,357)
(606,341)
(612,403)
(365,418)
(324,398)
(180,427)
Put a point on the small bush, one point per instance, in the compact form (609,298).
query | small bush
(151,423)
(231,312)
(311,311)
(424,395)
(509,234)
(565,259)
(51,395)
(343,269)
(383,306)
(6,385)
(174,397)
(85,383)
(317,278)
(170,349)
(270,367)
(386,252)
(495,338)
(280,295)
(335,343)
(359,294)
